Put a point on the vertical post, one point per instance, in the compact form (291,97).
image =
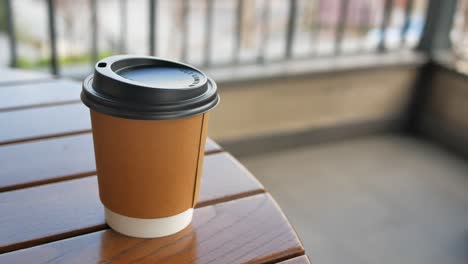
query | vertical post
(184,29)
(340,30)
(439,21)
(152,27)
(407,22)
(11,33)
(238,33)
(364,22)
(123,26)
(208,32)
(315,33)
(94,36)
(54,67)
(265,31)
(292,11)
(387,12)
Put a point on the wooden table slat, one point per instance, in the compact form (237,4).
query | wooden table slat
(297,260)
(17,76)
(251,229)
(28,95)
(54,211)
(44,122)
(48,122)
(226,179)
(52,160)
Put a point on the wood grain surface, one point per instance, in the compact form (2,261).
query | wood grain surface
(227,178)
(54,211)
(44,122)
(49,196)
(248,230)
(48,122)
(16,76)
(28,95)
(297,260)
(52,160)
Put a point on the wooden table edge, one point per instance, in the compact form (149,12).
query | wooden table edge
(301,259)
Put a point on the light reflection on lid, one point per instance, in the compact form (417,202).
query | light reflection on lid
(163,77)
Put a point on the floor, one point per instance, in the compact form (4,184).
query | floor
(382,199)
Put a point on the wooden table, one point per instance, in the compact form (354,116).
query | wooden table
(51,213)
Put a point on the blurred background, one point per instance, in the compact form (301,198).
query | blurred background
(202,32)
(352,113)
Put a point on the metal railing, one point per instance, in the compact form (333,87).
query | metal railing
(340,27)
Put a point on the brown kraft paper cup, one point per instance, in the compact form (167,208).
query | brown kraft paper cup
(169,155)
(149,160)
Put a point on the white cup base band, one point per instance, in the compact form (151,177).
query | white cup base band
(148,228)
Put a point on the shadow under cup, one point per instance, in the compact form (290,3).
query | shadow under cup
(149,120)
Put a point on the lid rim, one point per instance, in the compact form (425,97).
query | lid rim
(148,115)
(108,92)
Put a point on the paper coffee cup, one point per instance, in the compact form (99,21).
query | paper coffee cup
(149,120)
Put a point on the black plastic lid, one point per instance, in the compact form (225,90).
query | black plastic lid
(143,87)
